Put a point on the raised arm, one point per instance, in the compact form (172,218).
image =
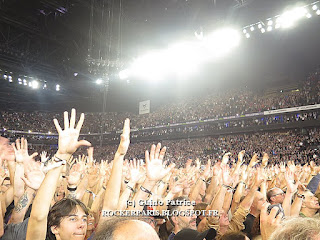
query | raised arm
(68,144)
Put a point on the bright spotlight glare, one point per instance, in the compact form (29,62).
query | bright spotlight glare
(35,84)
(260,25)
(247,35)
(277,26)
(289,18)
(244,31)
(99,81)
(318,12)
(30,84)
(124,74)
(269,29)
(149,66)
(57,87)
(222,41)
(308,15)
(5,76)
(183,58)
(263,30)
(314,7)
(270,22)
(252,28)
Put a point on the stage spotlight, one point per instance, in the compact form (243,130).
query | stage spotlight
(314,7)
(270,22)
(269,29)
(10,79)
(151,66)
(222,41)
(247,35)
(183,58)
(35,84)
(57,87)
(263,30)
(124,74)
(99,81)
(260,26)
(244,31)
(45,86)
(252,28)
(308,15)
(318,12)
(5,76)
(289,18)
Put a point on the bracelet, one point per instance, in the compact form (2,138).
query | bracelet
(130,188)
(228,187)
(93,194)
(162,182)
(71,189)
(243,183)
(203,179)
(56,159)
(145,190)
(301,196)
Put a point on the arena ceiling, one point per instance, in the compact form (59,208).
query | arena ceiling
(56,40)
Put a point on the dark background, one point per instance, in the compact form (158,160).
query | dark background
(52,40)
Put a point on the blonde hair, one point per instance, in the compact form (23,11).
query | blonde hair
(297,229)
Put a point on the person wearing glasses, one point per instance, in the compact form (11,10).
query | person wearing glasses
(275,196)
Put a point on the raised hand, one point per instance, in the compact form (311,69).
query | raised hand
(226,178)
(34,176)
(154,168)
(269,222)
(240,157)
(134,171)
(206,171)
(75,175)
(216,170)
(44,158)
(225,158)
(124,138)
(254,160)
(289,177)
(21,151)
(265,159)
(198,164)
(282,167)
(68,138)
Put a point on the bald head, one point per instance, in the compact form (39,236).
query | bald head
(135,230)
(126,228)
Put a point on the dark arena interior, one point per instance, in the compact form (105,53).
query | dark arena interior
(174,119)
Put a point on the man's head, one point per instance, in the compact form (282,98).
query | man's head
(311,201)
(179,216)
(258,201)
(121,228)
(275,196)
(298,229)
(67,220)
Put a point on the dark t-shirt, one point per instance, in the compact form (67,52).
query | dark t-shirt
(15,231)
(248,224)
